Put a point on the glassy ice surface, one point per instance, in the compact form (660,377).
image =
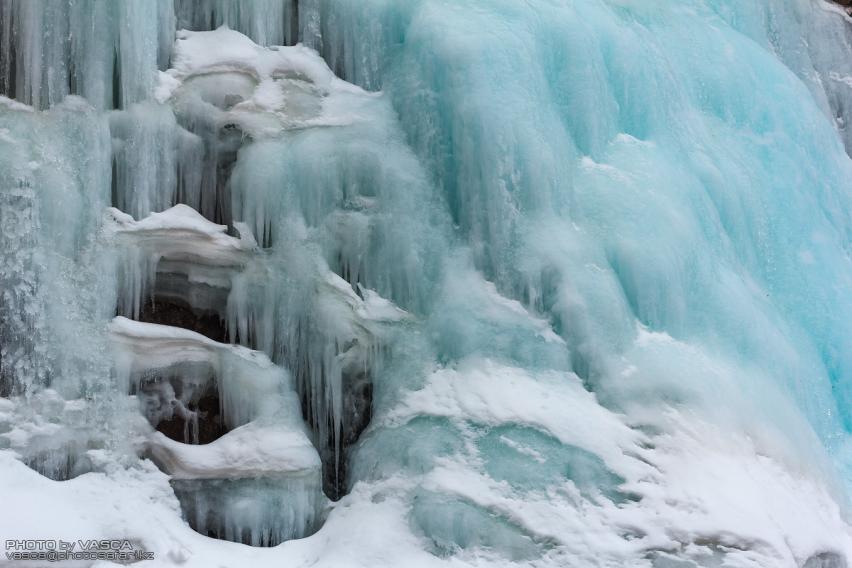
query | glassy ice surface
(427,283)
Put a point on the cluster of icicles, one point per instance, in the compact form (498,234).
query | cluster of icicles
(203,288)
(252,361)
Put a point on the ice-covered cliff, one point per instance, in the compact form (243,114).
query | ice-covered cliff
(556,283)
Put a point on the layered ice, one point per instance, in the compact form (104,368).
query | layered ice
(249,385)
(253,450)
(178,255)
(260,482)
(546,284)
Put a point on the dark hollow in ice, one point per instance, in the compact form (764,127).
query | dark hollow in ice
(184,407)
(826,560)
(168,311)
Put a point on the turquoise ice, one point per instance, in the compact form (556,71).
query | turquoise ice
(555,282)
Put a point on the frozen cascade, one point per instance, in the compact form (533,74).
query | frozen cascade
(103,51)
(259,482)
(428,283)
(266,22)
(178,256)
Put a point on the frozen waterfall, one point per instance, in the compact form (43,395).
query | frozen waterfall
(428,283)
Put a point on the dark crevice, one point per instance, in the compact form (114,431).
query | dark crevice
(180,405)
(356,414)
(116,80)
(294,22)
(8,386)
(8,59)
(221,145)
(351,272)
(230,140)
(114,181)
(72,72)
(170,312)
(357,406)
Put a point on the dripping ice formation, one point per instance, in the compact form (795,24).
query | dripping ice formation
(427,283)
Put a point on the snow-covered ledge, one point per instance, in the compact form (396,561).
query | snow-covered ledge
(180,254)
(249,385)
(259,449)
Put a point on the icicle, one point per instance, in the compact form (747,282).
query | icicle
(22,311)
(156,161)
(258,512)
(266,22)
(106,52)
(310,23)
(177,255)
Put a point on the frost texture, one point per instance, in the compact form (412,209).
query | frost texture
(518,283)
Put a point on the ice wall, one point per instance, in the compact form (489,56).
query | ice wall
(560,284)
(267,22)
(107,52)
(55,179)
(633,171)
